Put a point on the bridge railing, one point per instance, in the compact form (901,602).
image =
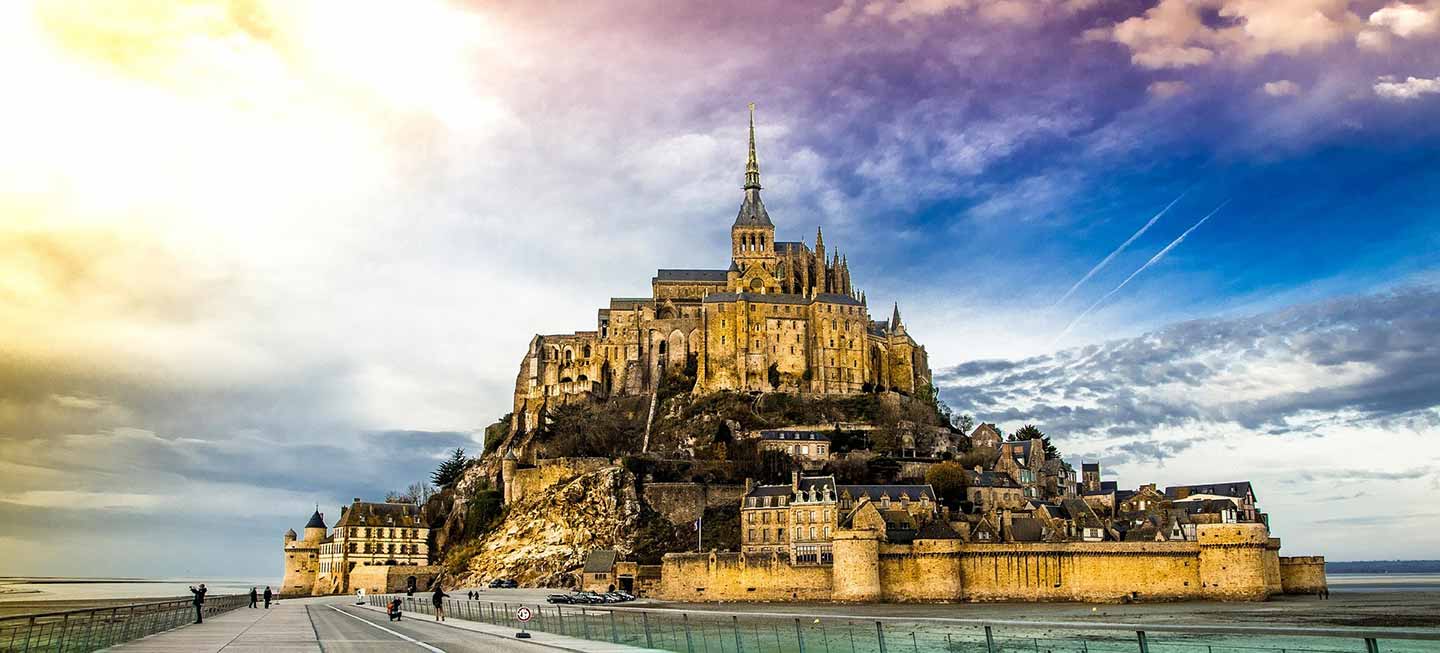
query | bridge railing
(707,631)
(92,629)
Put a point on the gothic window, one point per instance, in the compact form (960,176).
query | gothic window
(587,351)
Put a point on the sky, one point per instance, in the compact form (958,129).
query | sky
(260,255)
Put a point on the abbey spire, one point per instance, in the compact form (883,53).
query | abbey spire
(752,164)
(752,210)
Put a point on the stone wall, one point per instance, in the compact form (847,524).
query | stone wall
(1081,571)
(1229,562)
(382,579)
(549,472)
(1302,574)
(683,503)
(737,577)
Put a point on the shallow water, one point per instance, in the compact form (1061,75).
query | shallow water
(74,589)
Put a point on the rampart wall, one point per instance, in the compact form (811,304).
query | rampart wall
(683,503)
(1230,562)
(381,579)
(1302,574)
(550,471)
(737,577)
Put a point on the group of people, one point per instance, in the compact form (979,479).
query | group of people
(437,600)
(255,598)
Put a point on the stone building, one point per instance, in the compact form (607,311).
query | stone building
(302,557)
(810,448)
(800,519)
(783,316)
(388,535)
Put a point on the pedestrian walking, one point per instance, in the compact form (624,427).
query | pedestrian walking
(254,597)
(437,599)
(199,601)
(268,594)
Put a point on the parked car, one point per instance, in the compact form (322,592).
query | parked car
(503,583)
(625,596)
(588,598)
(559,598)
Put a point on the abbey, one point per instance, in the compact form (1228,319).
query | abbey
(782,317)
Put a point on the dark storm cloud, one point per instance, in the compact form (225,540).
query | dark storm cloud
(1369,358)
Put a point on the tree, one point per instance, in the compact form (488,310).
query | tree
(963,422)
(948,480)
(417,494)
(1032,432)
(451,469)
(773,375)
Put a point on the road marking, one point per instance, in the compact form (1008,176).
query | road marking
(375,625)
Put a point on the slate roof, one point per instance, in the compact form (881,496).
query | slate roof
(1238,489)
(316,521)
(691,275)
(1090,467)
(1025,529)
(794,435)
(834,298)
(1081,512)
(600,561)
(752,211)
(1109,486)
(937,529)
(893,491)
(783,246)
(364,513)
(625,303)
(991,479)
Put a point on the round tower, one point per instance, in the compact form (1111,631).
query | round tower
(315,528)
(856,572)
(1232,561)
(290,535)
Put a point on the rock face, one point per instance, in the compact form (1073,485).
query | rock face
(545,537)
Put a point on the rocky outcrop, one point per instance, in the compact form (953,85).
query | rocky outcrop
(545,537)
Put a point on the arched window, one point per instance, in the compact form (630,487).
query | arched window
(586,351)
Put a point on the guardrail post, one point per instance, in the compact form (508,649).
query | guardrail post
(989,640)
(1144,644)
(1371,645)
(689,645)
(736,621)
(585,621)
(880,634)
(614,630)
(799,636)
(645,617)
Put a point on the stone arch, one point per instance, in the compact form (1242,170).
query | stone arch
(585,351)
(582,377)
(676,349)
(692,342)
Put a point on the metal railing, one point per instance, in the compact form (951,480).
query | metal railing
(704,631)
(92,629)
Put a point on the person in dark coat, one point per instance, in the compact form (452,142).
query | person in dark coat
(268,594)
(409,590)
(395,609)
(199,601)
(254,598)
(437,599)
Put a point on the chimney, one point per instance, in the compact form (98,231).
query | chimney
(1006,521)
(749,485)
(794,480)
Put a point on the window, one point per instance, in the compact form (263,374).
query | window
(766,535)
(765,518)
(779,535)
(751,537)
(812,532)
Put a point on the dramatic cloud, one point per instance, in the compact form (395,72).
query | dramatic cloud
(1280,397)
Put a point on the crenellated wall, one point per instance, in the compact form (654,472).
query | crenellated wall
(1230,562)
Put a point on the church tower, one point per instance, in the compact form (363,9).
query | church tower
(752,237)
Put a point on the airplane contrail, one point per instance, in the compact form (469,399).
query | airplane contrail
(1153,260)
(1106,261)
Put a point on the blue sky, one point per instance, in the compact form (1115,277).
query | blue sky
(286,267)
